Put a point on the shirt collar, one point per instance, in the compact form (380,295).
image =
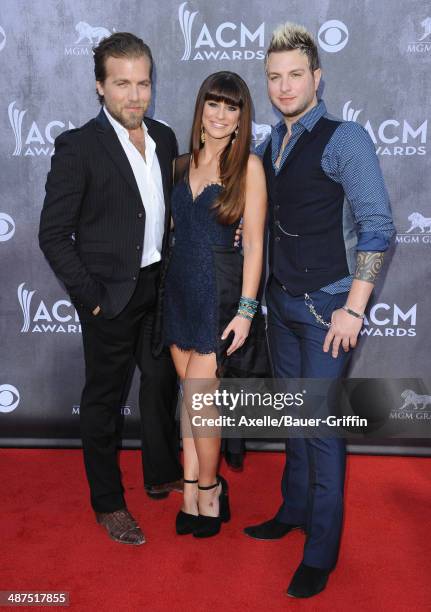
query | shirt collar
(307,121)
(120,129)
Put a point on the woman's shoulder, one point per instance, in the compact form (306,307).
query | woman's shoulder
(181,166)
(254,167)
(254,162)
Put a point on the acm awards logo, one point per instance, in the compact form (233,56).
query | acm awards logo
(38,140)
(419,231)
(333,36)
(60,317)
(87,37)
(386,320)
(223,41)
(392,137)
(7,227)
(423,42)
(9,398)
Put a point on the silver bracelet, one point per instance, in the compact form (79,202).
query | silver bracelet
(353,313)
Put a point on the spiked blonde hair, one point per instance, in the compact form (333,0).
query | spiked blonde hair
(290,36)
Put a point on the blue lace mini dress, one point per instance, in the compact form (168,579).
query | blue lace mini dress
(190,300)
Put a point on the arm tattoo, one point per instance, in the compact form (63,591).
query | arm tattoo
(368,265)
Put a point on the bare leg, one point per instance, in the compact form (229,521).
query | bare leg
(190,458)
(207,448)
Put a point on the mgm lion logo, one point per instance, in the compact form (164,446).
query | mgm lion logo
(260,132)
(413,399)
(420,222)
(93,35)
(426,24)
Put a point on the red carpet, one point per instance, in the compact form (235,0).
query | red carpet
(50,541)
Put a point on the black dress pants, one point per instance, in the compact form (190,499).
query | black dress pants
(110,345)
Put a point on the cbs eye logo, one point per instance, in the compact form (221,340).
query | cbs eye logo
(7,227)
(333,36)
(9,398)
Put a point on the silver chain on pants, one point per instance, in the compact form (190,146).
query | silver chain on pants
(309,303)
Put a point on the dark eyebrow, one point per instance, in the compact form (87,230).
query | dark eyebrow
(120,80)
(274,73)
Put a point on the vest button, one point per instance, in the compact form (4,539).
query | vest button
(277,207)
(138,247)
(140,215)
(277,238)
(134,278)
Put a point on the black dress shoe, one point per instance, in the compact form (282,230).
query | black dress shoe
(234,460)
(308,581)
(121,527)
(186,523)
(270,530)
(162,491)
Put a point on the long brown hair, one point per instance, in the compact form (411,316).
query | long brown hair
(227,87)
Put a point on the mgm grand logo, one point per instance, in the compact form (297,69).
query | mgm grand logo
(419,231)
(414,407)
(422,44)
(124,410)
(87,36)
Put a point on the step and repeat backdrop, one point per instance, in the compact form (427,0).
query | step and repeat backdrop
(376,60)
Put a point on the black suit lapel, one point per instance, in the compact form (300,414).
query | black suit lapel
(109,139)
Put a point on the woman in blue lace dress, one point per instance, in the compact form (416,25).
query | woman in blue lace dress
(221,182)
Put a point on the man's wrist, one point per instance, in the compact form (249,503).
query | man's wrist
(353,313)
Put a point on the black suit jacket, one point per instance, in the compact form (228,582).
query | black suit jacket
(93,219)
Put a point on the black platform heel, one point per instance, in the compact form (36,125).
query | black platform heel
(185,523)
(208,526)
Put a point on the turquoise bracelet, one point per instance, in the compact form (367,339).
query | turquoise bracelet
(247,307)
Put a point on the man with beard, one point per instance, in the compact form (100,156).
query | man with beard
(104,229)
(330,222)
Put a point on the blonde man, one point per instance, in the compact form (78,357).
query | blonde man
(330,222)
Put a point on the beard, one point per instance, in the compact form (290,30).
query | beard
(299,110)
(130,122)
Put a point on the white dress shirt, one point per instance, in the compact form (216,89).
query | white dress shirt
(149,179)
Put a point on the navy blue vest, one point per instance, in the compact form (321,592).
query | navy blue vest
(306,243)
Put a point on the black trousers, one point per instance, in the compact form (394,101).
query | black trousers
(110,345)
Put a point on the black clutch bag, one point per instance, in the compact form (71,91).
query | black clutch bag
(252,359)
